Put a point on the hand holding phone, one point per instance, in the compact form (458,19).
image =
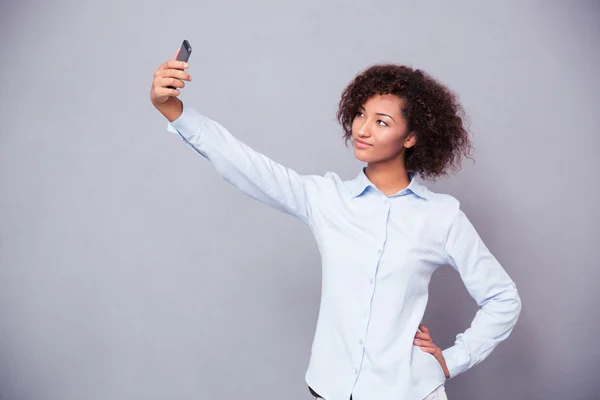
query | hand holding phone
(170,76)
(183,54)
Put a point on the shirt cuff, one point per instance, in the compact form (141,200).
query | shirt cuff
(457,360)
(188,123)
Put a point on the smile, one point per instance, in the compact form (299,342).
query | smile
(361,144)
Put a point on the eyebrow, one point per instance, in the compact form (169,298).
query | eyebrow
(385,115)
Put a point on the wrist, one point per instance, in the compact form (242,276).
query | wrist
(445,367)
(171,109)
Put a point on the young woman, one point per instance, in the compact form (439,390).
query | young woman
(381,235)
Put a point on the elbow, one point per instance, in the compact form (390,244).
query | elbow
(519,304)
(506,304)
(513,303)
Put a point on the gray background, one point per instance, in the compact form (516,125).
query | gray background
(130,270)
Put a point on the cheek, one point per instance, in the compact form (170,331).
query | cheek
(389,143)
(355,126)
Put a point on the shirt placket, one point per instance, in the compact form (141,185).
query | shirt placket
(381,229)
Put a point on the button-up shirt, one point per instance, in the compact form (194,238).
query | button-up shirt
(378,255)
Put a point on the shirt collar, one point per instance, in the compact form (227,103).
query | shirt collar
(358,185)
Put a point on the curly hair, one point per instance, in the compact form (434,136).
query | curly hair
(431,110)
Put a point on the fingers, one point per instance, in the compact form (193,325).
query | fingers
(166,86)
(166,92)
(173,73)
(168,79)
(171,82)
(427,346)
(430,350)
(174,64)
(424,343)
(424,340)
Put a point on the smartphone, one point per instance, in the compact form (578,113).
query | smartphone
(184,54)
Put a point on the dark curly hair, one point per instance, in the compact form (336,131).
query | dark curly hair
(431,110)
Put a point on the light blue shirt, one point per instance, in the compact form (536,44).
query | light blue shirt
(378,254)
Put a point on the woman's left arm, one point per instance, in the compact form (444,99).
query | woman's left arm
(490,286)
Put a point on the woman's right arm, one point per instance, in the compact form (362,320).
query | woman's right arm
(250,171)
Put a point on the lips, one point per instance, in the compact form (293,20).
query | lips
(361,144)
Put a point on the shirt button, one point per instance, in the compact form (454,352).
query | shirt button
(379,251)
(360,341)
(366,314)
(386,201)
(355,371)
(371,281)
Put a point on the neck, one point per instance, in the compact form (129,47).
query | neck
(389,177)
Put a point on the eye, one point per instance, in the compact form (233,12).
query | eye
(359,114)
(381,123)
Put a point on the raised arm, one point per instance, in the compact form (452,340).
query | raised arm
(248,170)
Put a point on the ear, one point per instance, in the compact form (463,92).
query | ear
(410,141)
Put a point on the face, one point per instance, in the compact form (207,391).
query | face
(379,130)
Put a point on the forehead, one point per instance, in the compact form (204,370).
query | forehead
(384,103)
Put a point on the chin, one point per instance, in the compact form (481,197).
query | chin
(361,156)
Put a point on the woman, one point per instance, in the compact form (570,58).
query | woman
(380,235)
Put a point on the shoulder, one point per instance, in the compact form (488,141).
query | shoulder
(329,181)
(444,206)
(444,202)
(442,211)
(329,189)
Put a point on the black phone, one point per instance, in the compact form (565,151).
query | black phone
(184,51)
(184,54)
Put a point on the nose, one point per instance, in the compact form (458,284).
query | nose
(363,129)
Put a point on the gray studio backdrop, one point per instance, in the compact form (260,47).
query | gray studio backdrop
(130,271)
